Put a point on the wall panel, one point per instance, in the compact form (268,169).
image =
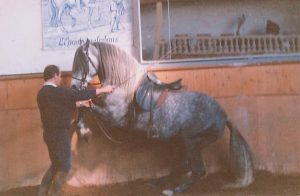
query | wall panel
(22,93)
(3,95)
(263,102)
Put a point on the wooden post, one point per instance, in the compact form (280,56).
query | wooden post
(158,22)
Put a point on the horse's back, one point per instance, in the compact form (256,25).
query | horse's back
(190,111)
(196,101)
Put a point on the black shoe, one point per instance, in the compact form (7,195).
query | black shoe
(46,183)
(58,182)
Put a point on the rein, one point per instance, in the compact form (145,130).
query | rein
(104,130)
(83,80)
(100,125)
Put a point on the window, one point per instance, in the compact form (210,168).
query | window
(202,30)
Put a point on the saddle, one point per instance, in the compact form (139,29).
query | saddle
(152,92)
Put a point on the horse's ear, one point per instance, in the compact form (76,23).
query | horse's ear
(87,44)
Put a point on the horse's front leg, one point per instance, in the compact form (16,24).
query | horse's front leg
(82,130)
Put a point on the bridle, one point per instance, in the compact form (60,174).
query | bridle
(83,79)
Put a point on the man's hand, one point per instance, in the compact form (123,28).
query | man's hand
(84,103)
(108,89)
(105,89)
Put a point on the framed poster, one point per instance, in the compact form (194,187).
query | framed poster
(68,23)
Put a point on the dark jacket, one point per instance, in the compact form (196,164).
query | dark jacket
(57,103)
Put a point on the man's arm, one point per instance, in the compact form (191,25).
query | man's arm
(90,93)
(105,89)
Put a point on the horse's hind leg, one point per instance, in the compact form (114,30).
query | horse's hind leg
(195,167)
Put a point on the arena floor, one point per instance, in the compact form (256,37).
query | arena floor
(265,184)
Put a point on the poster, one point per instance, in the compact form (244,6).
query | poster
(68,23)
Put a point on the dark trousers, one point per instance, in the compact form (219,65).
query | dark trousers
(58,142)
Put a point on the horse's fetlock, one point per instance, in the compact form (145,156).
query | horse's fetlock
(84,130)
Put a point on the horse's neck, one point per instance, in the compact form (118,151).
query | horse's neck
(129,84)
(117,103)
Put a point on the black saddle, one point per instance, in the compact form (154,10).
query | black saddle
(176,85)
(152,92)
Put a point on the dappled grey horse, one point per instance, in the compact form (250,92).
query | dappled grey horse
(142,103)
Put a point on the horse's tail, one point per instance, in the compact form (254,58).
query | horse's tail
(240,158)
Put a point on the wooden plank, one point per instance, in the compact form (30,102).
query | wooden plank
(22,93)
(3,95)
(278,146)
(271,80)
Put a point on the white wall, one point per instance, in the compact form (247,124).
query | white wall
(21,40)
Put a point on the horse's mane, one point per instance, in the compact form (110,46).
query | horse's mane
(117,67)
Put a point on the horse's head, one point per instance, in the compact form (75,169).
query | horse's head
(85,65)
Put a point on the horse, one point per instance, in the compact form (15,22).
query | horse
(60,7)
(197,118)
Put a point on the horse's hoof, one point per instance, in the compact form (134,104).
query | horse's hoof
(182,187)
(187,181)
(168,192)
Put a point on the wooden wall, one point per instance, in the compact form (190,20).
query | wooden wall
(262,100)
(22,155)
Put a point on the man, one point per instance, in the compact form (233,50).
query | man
(56,104)
(116,9)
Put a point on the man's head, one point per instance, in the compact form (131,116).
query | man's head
(52,74)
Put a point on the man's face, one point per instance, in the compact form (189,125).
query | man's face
(57,79)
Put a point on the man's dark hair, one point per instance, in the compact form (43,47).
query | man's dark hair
(50,71)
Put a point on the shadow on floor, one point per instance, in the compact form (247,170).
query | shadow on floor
(265,184)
